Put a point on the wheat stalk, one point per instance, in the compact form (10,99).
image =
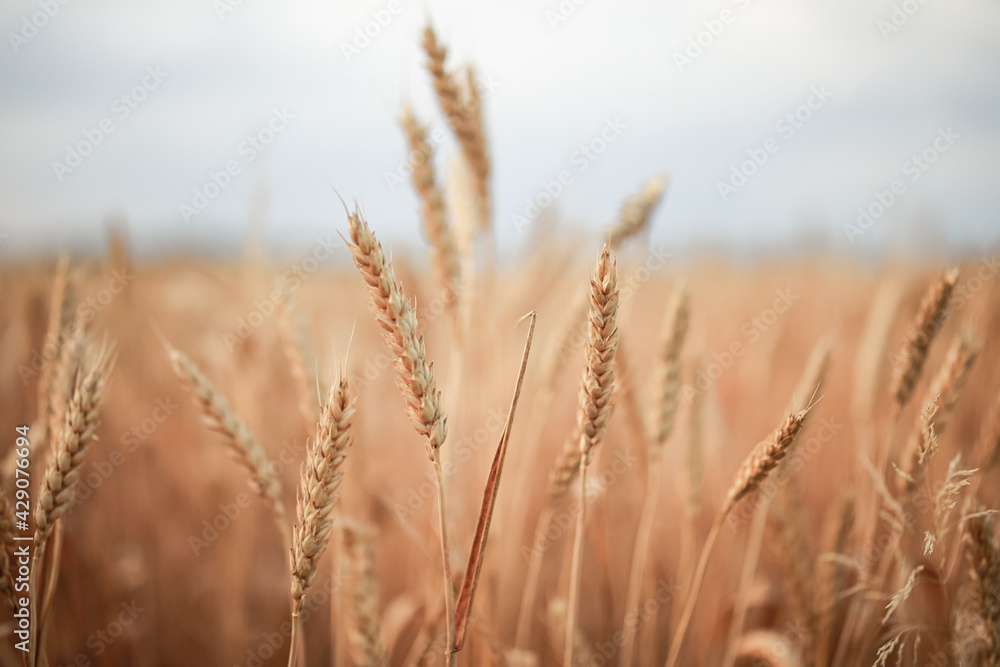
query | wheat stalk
(594,409)
(836,534)
(664,411)
(414,377)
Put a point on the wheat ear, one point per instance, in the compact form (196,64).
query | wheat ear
(982,632)
(944,392)
(436,228)
(594,409)
(245,448)
(929,319)
(464,118)
(317,494)
(414,377)
(62,474)
(764,458)
(636,211)
(396,317)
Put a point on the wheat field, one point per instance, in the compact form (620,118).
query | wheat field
(596,453)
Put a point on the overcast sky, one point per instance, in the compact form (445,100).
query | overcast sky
(887,80)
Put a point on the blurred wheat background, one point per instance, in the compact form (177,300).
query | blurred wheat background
(492,410)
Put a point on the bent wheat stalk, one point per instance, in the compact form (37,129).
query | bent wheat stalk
(764,458)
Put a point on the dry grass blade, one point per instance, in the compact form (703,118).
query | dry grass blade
(930,318)
(464,605)
(394,313)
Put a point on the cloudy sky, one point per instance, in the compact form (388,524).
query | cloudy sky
(126,109)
